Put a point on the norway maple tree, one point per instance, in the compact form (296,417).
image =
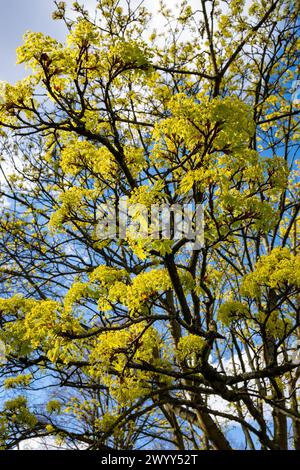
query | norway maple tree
(139,342)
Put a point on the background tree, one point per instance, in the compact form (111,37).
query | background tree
(118,343)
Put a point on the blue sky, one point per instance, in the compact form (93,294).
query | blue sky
(18,16)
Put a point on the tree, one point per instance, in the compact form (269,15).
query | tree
(127,343)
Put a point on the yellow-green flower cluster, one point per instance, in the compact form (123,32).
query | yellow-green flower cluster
(190,348)
(276,269)
(113,350)
(232,310)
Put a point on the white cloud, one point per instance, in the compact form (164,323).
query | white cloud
(47,443)
(42,443)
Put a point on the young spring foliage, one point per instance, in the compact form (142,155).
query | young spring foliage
(140,341)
